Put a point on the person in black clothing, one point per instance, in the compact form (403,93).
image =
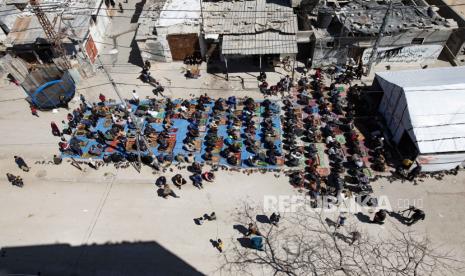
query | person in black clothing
(414,173)
(161,181)
(274,218)
(262,76)
(379,217)
(416,216)
(21,163)
(147,64)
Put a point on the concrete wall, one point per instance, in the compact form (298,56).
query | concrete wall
(326,54)
(98,28)
(158,48)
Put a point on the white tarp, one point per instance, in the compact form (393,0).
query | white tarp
(429,104)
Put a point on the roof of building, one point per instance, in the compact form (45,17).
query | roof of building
(252,27)
(148,19)
(259,44)
(434,102)
(366,17)
(186,12)
(8,15)
(73,23)
(248,17)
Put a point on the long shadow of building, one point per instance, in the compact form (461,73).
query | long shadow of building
(127,258)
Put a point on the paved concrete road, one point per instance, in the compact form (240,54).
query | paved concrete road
(111,222)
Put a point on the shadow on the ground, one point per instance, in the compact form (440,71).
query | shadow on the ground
(245,242)
(263,219)
(241,228)
(126,258)
(330,222)
(402,219)
(363,218)
(343,237)
(239,65)
(138,11)
(135,55)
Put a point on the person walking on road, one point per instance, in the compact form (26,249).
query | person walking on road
(102,98)
(55,129)
(34,111)
(220,245)
(21,163)
(147,64)
(274,219)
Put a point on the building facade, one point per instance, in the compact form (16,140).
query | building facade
(414,32)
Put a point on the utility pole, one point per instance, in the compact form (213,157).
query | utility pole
(139,135)
(374,52)
(50,32)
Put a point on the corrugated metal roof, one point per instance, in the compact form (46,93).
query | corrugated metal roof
(27,29)
(74,23)
(248,17)
(259,44)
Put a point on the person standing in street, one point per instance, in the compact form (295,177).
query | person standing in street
(83,99)
(416,216)
(147,64)
(21,163)
(57,159)
(220,245)
(135,97)
(120,7)
(379,217)
(55,129)
(63,102)
(102,98)
(34,111)
(274,219)
(341,220)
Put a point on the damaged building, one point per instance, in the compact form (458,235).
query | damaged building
(414,32)
(455,47)
(78,22)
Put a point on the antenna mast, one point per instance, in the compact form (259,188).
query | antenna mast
(50,33)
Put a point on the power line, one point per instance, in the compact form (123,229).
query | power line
(48,8)
(288,42)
